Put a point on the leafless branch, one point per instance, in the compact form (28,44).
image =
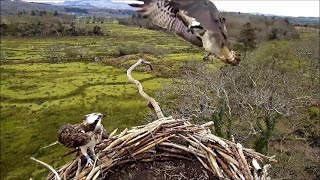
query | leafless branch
(48,166)
(152,103)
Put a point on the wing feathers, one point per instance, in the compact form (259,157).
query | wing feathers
(204,11)
(72,136)
(165,14)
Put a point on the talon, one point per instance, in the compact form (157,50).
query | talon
(95,158)
(89,161)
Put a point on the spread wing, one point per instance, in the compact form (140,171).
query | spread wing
(165,14)
(73,136)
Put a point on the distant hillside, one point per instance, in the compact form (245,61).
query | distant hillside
(13,7)
(265,27)
(117,9)
(9,7)
(117,5)
(295,20)
(96,3)
(304,20)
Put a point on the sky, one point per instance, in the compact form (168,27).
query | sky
(277,7)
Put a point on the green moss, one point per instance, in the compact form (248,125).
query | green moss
(19,50)
(38,98)
(314,112)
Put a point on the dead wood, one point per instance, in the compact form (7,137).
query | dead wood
(151,102)
(166,139)
(48,166)
(172,139)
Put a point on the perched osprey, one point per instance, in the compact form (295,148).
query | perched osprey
(197,21)
(85,135)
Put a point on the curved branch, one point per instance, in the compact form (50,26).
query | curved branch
(152,103)
(48,166)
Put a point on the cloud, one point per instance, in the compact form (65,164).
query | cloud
(279,7)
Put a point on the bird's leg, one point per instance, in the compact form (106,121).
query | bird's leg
(84,152)
(89,160)
(93,153)
(95,157)
(101,131)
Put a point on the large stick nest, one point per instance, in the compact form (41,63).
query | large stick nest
(169,139)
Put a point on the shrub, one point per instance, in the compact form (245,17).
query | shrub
(3,55)
(281,29)
(135,48)
(96,31)
(44,25)
(75,52)
(72,31)
(55,53)
(314,112)
(247,37)
(4,29)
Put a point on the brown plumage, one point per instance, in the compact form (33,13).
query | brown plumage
(84,135)
(165,14)
(197,21)
(73,136)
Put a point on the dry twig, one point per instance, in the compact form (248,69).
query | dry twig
(48,166)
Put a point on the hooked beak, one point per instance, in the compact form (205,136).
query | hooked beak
(228,56)
(102,115)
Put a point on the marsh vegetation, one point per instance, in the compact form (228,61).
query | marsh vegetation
(270,103)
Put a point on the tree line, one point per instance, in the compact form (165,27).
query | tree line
(42,23)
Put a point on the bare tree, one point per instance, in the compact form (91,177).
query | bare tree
(246,101)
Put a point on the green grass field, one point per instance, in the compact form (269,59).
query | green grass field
(38,98)
(19,50)
(50,81)
(43,87)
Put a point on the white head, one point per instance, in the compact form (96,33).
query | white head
(93,118)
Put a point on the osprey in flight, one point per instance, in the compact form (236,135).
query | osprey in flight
(85,135)
(197,21)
